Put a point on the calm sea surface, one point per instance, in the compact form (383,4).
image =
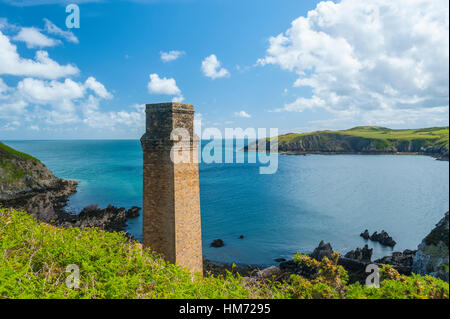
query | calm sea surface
(310,198)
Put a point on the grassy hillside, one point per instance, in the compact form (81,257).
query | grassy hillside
(7,151)
(35,256)
(22,174)
(433,135)
(432,141)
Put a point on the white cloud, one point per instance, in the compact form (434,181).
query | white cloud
(12,64)
(111,120)
(51,28)
(159,85)
(171,55)
(98,88)
(383,58)
(211,68)
(35,39)
(242,114)
(179,98)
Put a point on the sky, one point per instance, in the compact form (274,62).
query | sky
(293,65)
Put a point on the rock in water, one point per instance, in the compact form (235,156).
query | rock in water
(433,252)
(361,254)
(365,234)
(217,243)
(323,250)
(383,238)
(133,212)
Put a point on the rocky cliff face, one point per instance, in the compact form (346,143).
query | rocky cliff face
(25,183)
(22,177)
(329,142)
(432,254)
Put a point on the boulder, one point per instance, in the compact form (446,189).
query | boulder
(365,234)
(383,238)
(361,254)
(271,272)
(323,250)
(217,243)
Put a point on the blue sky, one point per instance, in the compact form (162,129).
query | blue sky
(293,65)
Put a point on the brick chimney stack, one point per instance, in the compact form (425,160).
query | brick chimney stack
(171,201)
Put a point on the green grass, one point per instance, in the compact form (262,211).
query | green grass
(35,256)
(439,135)
(7,151)
(9,171)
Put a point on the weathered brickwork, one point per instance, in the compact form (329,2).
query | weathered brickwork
(171,203)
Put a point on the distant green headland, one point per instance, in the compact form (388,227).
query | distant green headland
(433,141)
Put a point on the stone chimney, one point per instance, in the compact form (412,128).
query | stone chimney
(171,202)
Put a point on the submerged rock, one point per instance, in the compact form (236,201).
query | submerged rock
(217,243)
(279,260)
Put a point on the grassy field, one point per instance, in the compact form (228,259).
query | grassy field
(6,151)
(34,257)
(435,135)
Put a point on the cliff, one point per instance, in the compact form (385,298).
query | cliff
(365,140)
(23,177)
(432,254)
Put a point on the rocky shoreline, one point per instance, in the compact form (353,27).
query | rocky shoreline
(431,257)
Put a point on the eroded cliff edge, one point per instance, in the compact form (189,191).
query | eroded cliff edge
(27,184)
(24,178)
(432,141)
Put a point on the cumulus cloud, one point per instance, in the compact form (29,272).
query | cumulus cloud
(384,58)
(97,87)
(171,55)
(42,66)
(242,114)
(159,85)
(51,28)
(35,39)
(211,68)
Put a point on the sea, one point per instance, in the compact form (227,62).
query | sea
(308,199)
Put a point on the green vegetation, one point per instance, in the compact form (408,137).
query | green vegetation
(9,170)
(35,256)
(8,152)
(435,135)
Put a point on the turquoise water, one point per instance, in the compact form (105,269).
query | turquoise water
(310,198)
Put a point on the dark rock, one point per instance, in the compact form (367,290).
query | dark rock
(361,254)
(241,237)
(133,212)
(217,243)
(402,261)
(383,238)
(365,234)
(323,250)
(271,272)
(433,254)
(279,260)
